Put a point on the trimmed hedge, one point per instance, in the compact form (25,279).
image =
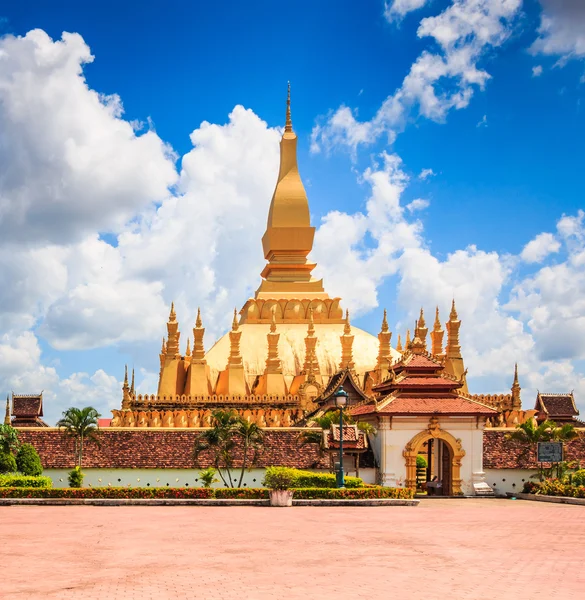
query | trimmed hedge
(25,481)
(289,478)
(554,487)
(191,493)
(353,493)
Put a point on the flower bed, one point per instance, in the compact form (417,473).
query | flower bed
(554,487)
(195,493)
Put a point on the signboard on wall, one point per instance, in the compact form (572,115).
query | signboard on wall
(550,452)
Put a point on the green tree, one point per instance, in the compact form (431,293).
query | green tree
(252,438)
(28,461)
(529,434)
(9,441)
(81,424)
(7,463)
(221,441)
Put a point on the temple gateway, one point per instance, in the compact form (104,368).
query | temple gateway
(292,346)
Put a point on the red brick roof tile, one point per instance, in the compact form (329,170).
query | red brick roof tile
(448,405)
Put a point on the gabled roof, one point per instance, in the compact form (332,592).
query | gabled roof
(353,438)
(413,405)
(342,378)
(556,405)
(27,405)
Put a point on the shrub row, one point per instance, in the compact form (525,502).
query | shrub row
(287,478)
(554,487)
(192,493)
(14,480)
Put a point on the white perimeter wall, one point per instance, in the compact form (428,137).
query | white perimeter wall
(503,481)
(173,477)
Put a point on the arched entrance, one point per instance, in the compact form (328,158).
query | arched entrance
(449,451)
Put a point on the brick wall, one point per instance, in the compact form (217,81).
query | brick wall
(158,448)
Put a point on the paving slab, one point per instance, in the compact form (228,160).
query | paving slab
(455,549)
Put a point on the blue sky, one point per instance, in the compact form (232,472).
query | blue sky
(506,165)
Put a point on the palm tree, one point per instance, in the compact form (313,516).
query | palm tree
(253,439)
(219,440)
(81,424)
(529,434)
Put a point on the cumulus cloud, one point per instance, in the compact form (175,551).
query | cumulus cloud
(539,248)
(438,81)
(394,10)
(562,30)
(426,173)
(537,71)
(417,204)
(69,162)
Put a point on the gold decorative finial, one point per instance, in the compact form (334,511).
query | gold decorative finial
(7,420)
(385,322)
(132,384)
(516,374)
(437,320)
(288,125)
(273,320)
(188,351)
(311,328)
(235,321)
(453,314)
(407,344)
(347,326)
(172,315)
(421,320)
(198,322)
(126,376)
(164,346)
(399,344)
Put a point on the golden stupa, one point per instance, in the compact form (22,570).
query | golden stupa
(290,344)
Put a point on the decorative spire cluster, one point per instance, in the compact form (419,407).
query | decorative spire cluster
(235,358)
(311,366)
(273,361)
(437,336)
(198,354)
(384,337)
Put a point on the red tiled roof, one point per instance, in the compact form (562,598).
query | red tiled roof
(27,406)
(422,361)
(557,405)
(407,405)
(427,382)
(352,438)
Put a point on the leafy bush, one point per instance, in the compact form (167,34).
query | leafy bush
(421,462)
(578,477)
(25,481)
(207,477)
(241,493)
(75,478)
(28,461)
(554,487)
(9,441)
(353,493)
(286,478)
(7,463)
(280,478)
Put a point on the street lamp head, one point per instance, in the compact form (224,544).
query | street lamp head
(340,397)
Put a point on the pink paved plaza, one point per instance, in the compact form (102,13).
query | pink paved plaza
(448,549)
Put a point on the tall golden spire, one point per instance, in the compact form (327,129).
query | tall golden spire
(311,366)
(198,354)
(132,390)
(125,390)
(437,336)
(7,420)
(516,400)
(421,329)
(188,351)
(235,358)
(399,344)
(289,236)
(407,342)
(384,337)
(347,345)
(173,334)
(453,360)
(273,361)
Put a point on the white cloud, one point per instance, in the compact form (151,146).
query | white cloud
(426,173)
(417,204)
(69,163)
(483,122)
(562,30)
(394,10)
(537,71)
(540,247)
(437,81)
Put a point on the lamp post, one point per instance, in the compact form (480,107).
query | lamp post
(340,401)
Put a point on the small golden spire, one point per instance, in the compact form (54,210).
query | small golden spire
(198,322)
(288,125)
(385,322)
(347,326)
(311,328)
(125,376)
(516,400)
(7,420)
(188,351)
(273,320)
(437,326)
(235,321)
(399,344)
(516,374)
(172,315)
(421,319)
(132,384)
(453,314)
(164,346)
(407,345)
